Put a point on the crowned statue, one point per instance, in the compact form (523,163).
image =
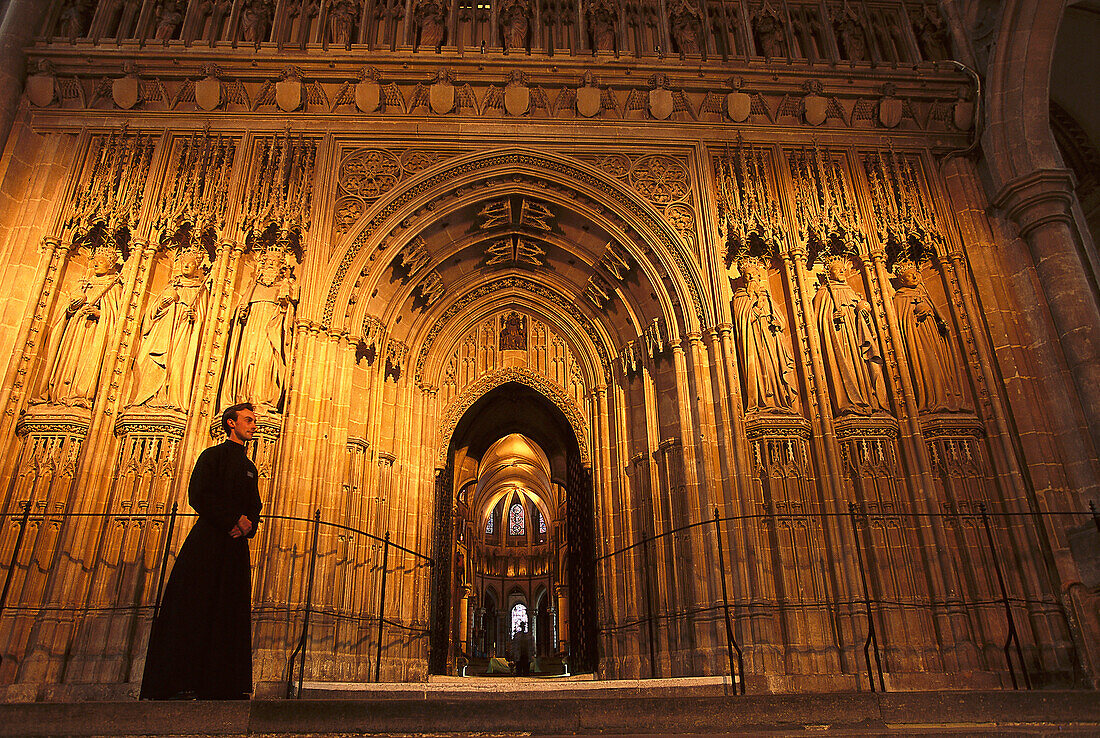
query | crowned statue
(260,334)
(79,339)
(849,343)
(170,334)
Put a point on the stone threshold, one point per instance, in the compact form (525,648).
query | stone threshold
(672,713)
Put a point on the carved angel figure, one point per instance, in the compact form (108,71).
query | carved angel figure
(170,335)
(80,337)
(924,332)
(603,16)
(260,336)
(849,343)
(766,359)
(513,23)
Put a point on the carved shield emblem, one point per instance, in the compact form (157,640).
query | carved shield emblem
(124,90)
(40,89)
(964,115)
(441,97)
(738,105)
(368,96)
(208,93)
(288,94)
(815,107)
(517,98)
(589,101)
(660,103)
(889,111)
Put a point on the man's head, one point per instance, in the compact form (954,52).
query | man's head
(239,422)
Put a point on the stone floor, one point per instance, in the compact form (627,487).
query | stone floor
(514,707)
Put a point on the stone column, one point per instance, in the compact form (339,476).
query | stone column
(562,591)
(1041,205)
(464,620)
(17,29)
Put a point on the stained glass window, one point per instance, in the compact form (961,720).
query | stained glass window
(489,525)
(515,520)
(519,615)
(542,523)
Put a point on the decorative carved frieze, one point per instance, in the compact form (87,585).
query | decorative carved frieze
(825,210)
(750,220)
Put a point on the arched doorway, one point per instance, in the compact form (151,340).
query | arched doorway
(514,533)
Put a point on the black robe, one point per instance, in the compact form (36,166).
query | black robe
(201,642)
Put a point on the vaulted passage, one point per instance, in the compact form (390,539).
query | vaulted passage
(514,540)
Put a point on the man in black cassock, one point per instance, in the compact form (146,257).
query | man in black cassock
(200,645)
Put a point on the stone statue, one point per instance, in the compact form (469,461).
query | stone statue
(342,16)
(170,335)
(849,343)
(924,332)
(769,32)
(603,16)
(260,336)
(80,338)
(73,18)
(766,359)
(431,16)
(513,24)
(168,20)
(256,20)
(685,21)
(849,31)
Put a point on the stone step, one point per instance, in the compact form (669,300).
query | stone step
(597,711)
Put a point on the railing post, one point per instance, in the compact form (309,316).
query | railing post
(15,555)
(301,650)
(1013,637)
(1095,515)
(649,606)
(382,608)
(731,642)
(164,557)
(872,636)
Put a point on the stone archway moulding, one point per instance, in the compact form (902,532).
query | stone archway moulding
(489,382)
(614,196)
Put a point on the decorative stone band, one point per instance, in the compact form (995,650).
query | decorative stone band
(760,425)
(866,426)
(54,420)
(165,422)
(951,425)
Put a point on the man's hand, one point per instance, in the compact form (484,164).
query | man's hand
(242,528)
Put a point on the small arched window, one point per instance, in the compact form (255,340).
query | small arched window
(542,523)
(489,525)
(515,520)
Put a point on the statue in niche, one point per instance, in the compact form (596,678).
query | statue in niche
(849,343)
(685,21)
(256,20)
(170,335)
(79,339)
(849,31)
(342,17)
(770,32)
(513,24)
(603,16)
(766,359)
(931,33)
(431,16)
(924,332)
(73,18)
(513,332)
(260,335)
(169,18)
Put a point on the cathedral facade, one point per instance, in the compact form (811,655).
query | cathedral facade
(722,337)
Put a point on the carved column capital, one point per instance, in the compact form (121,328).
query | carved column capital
(1039,198)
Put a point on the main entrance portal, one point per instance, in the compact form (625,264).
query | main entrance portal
(513,539)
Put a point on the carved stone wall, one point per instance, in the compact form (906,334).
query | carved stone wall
(767,295)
